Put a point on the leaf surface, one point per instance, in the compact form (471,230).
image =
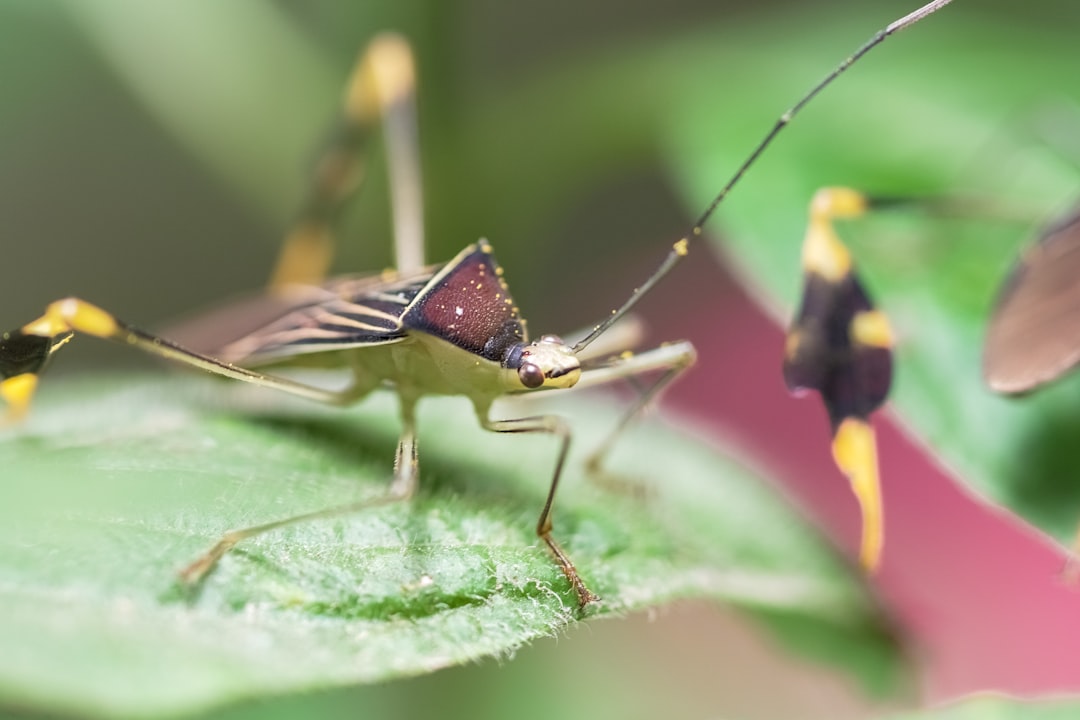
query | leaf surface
(114,484)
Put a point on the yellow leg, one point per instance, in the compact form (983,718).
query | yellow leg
(855,453)
(17,391)
(24,353)
(381,89)
(670,360)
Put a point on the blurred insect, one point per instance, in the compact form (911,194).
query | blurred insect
(450,329)
(840,346)
(1034,332)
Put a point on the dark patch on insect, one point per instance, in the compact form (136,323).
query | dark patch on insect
(21,353)
(840,346)
(469,305)
(822,354)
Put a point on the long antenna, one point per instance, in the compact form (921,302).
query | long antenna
(680,248)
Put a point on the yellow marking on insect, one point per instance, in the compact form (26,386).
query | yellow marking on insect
(84,317)
(681,248)
(823,254)
(626,354)
(872,328)
(64,316)
(393,62)
(384,76)
(44,326)
(305,258)
(855,452)
(17,391)
(791,344)
(361,100)
(837,202)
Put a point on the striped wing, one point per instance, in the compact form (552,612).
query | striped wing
(346,313)
(465,302)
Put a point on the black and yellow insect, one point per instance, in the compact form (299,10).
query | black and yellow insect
(841,346)
(449,329)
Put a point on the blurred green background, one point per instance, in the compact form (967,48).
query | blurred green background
(151,156)
(154,155)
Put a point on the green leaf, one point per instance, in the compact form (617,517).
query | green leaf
(965,104)
(115,483)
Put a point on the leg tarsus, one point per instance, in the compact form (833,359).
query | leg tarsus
(554,426)
(585,596)
(197,570)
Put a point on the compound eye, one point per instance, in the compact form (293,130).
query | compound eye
(530,375)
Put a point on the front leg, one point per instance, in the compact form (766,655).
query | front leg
(669,360)
(552,425)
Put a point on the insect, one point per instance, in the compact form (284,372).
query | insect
(1034,332)
(840,345)
(449,329)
